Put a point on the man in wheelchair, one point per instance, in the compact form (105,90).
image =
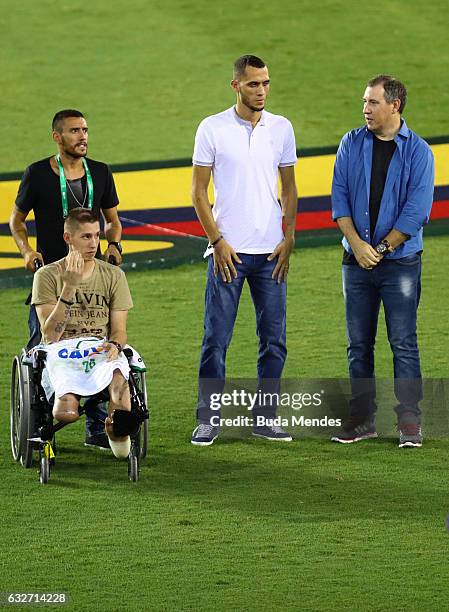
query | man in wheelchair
(82,304)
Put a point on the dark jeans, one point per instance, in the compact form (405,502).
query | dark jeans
(96,413)
(397,283)
(221,305)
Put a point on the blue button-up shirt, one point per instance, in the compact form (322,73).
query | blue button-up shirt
(408,193)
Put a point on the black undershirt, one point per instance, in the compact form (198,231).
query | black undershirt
(383,151)
(78,186)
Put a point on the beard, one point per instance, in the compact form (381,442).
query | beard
(246,102)
(72,151)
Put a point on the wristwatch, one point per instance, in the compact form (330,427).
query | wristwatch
(383,247)
(117,245)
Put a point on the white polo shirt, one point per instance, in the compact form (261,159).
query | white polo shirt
(245,162)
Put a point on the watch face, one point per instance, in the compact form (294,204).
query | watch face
(381,248)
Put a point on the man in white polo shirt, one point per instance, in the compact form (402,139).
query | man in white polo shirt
(245,148)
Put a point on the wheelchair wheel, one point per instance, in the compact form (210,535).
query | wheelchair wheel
(28,423)
(133,467)
(44,472)
(22,417)
(16,402)
(143,432)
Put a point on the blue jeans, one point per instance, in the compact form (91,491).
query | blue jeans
(221,305)
(96,413)
(397,283)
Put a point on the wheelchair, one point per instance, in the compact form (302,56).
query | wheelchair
(31,419)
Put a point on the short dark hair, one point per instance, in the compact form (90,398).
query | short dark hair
(64,114)
(79,216)
(242,62)
(394,89)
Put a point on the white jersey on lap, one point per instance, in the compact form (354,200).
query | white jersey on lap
(79,366)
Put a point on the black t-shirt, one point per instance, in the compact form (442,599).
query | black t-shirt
(383,151)
(40,191)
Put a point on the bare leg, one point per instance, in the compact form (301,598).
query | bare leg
(119,393)
(119,398)
(66,408)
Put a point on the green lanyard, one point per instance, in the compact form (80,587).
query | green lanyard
(63,184)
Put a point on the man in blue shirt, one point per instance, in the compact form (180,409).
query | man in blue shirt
(382,194)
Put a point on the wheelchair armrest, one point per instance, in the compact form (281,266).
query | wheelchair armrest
(128,353)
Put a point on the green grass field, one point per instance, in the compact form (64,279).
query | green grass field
(242,525)
(146,73)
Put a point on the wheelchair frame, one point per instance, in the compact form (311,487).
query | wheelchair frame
(31,418)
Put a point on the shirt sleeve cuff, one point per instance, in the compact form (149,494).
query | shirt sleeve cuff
(406,226)
(336,214)
(196,162)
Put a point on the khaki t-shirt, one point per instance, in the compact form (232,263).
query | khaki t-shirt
(106,289)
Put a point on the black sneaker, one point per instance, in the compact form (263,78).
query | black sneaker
(100,441)
(355,429)
(409,428)
(205,434)
(272,432)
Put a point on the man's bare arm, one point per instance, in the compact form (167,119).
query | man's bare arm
(224,254)
(19,232)
(289,202)
(53,319)
(117,332)
(117,326)
(113,232)
(200,199)
(396,238)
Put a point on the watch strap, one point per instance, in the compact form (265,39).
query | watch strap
(117,245)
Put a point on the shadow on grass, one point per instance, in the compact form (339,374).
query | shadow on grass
(302,482)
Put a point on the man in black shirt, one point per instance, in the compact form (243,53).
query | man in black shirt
(50,188)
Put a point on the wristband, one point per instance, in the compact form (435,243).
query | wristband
(66,302)
(212,244)
(117,344)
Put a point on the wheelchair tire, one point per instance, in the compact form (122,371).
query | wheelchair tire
(44,472)
(133,466)
(16,402)
(22,418)
(143,433)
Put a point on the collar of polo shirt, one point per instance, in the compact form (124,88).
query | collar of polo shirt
(245,122)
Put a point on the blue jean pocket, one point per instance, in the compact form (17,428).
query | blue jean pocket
(409,260)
